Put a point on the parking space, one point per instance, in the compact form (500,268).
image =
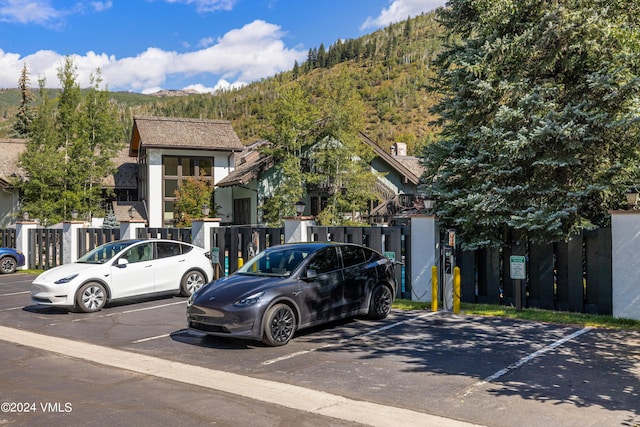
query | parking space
(490,371)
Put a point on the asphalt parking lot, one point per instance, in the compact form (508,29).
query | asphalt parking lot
(486,371)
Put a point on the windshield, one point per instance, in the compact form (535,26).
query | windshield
(104,253)
(275,262)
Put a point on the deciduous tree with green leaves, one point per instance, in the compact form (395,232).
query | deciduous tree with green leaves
(70,149)
(190,197)
(539,115)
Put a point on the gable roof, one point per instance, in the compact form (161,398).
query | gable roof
(249,165)
(253,166)
(159,132)
(408,166)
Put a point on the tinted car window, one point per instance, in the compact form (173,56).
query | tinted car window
(140,253)
(167,249)
(186,248)
(352,255)
(324,260)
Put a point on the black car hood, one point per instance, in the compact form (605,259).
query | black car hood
(232,288)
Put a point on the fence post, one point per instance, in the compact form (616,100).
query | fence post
(424,255)
(295,228)
(22,240)
(70,240)
(129,229)
(201,231)
(625,244)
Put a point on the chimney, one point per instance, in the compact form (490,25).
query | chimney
(399,149)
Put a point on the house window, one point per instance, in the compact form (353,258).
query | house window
(177,169)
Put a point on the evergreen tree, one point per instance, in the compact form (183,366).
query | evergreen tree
(539,115)
(24,116)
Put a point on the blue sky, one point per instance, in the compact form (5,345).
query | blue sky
(148,45)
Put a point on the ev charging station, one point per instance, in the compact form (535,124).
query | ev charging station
(448,263)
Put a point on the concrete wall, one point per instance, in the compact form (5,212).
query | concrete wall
(625,244)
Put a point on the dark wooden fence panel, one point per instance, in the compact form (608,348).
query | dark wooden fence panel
(598,272)
(571,276)
(8,237)
(541,276)
(45,248)
(179,234)
(89,238)
(468,269)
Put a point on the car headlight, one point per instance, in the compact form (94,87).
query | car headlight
(66,279)
(250,300)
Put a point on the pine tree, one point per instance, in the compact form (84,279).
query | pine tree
(24,116)
(539,115)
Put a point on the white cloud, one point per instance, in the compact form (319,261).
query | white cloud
(242,55)
(204,6)
(206,42)
(400,10)
(100,6)
(27,11)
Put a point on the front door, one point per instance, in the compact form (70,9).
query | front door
(242,211)
(136,277)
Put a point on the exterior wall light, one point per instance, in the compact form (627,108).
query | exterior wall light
(205,210)
(300,205)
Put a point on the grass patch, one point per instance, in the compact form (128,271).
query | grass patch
(531,314)
(35,272)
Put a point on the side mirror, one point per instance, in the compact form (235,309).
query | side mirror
(309,275)
(122,262)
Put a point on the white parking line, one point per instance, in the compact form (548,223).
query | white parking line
(524,360)
(272,392)
(12,308)
(15,293)
(150,338)
(81,319)
(346,340)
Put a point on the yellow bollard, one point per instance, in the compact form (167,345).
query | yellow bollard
(456,290)
(434,288)
(240,262)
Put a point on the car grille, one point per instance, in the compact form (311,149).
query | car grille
(208,328)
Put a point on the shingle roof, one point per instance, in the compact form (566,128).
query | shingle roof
(11,150)
(125,177)
(183,133)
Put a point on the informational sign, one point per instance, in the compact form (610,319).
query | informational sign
(452,238)
(390,255)
(517,267)
(215,255)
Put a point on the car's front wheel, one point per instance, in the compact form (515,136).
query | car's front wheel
(91,297)
(380,303)
(191,282)
(8,265)
(279,325)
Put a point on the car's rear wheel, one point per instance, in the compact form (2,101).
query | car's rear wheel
(91,297)
(8,265)
(380,302)
(191,282)
(279,325)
